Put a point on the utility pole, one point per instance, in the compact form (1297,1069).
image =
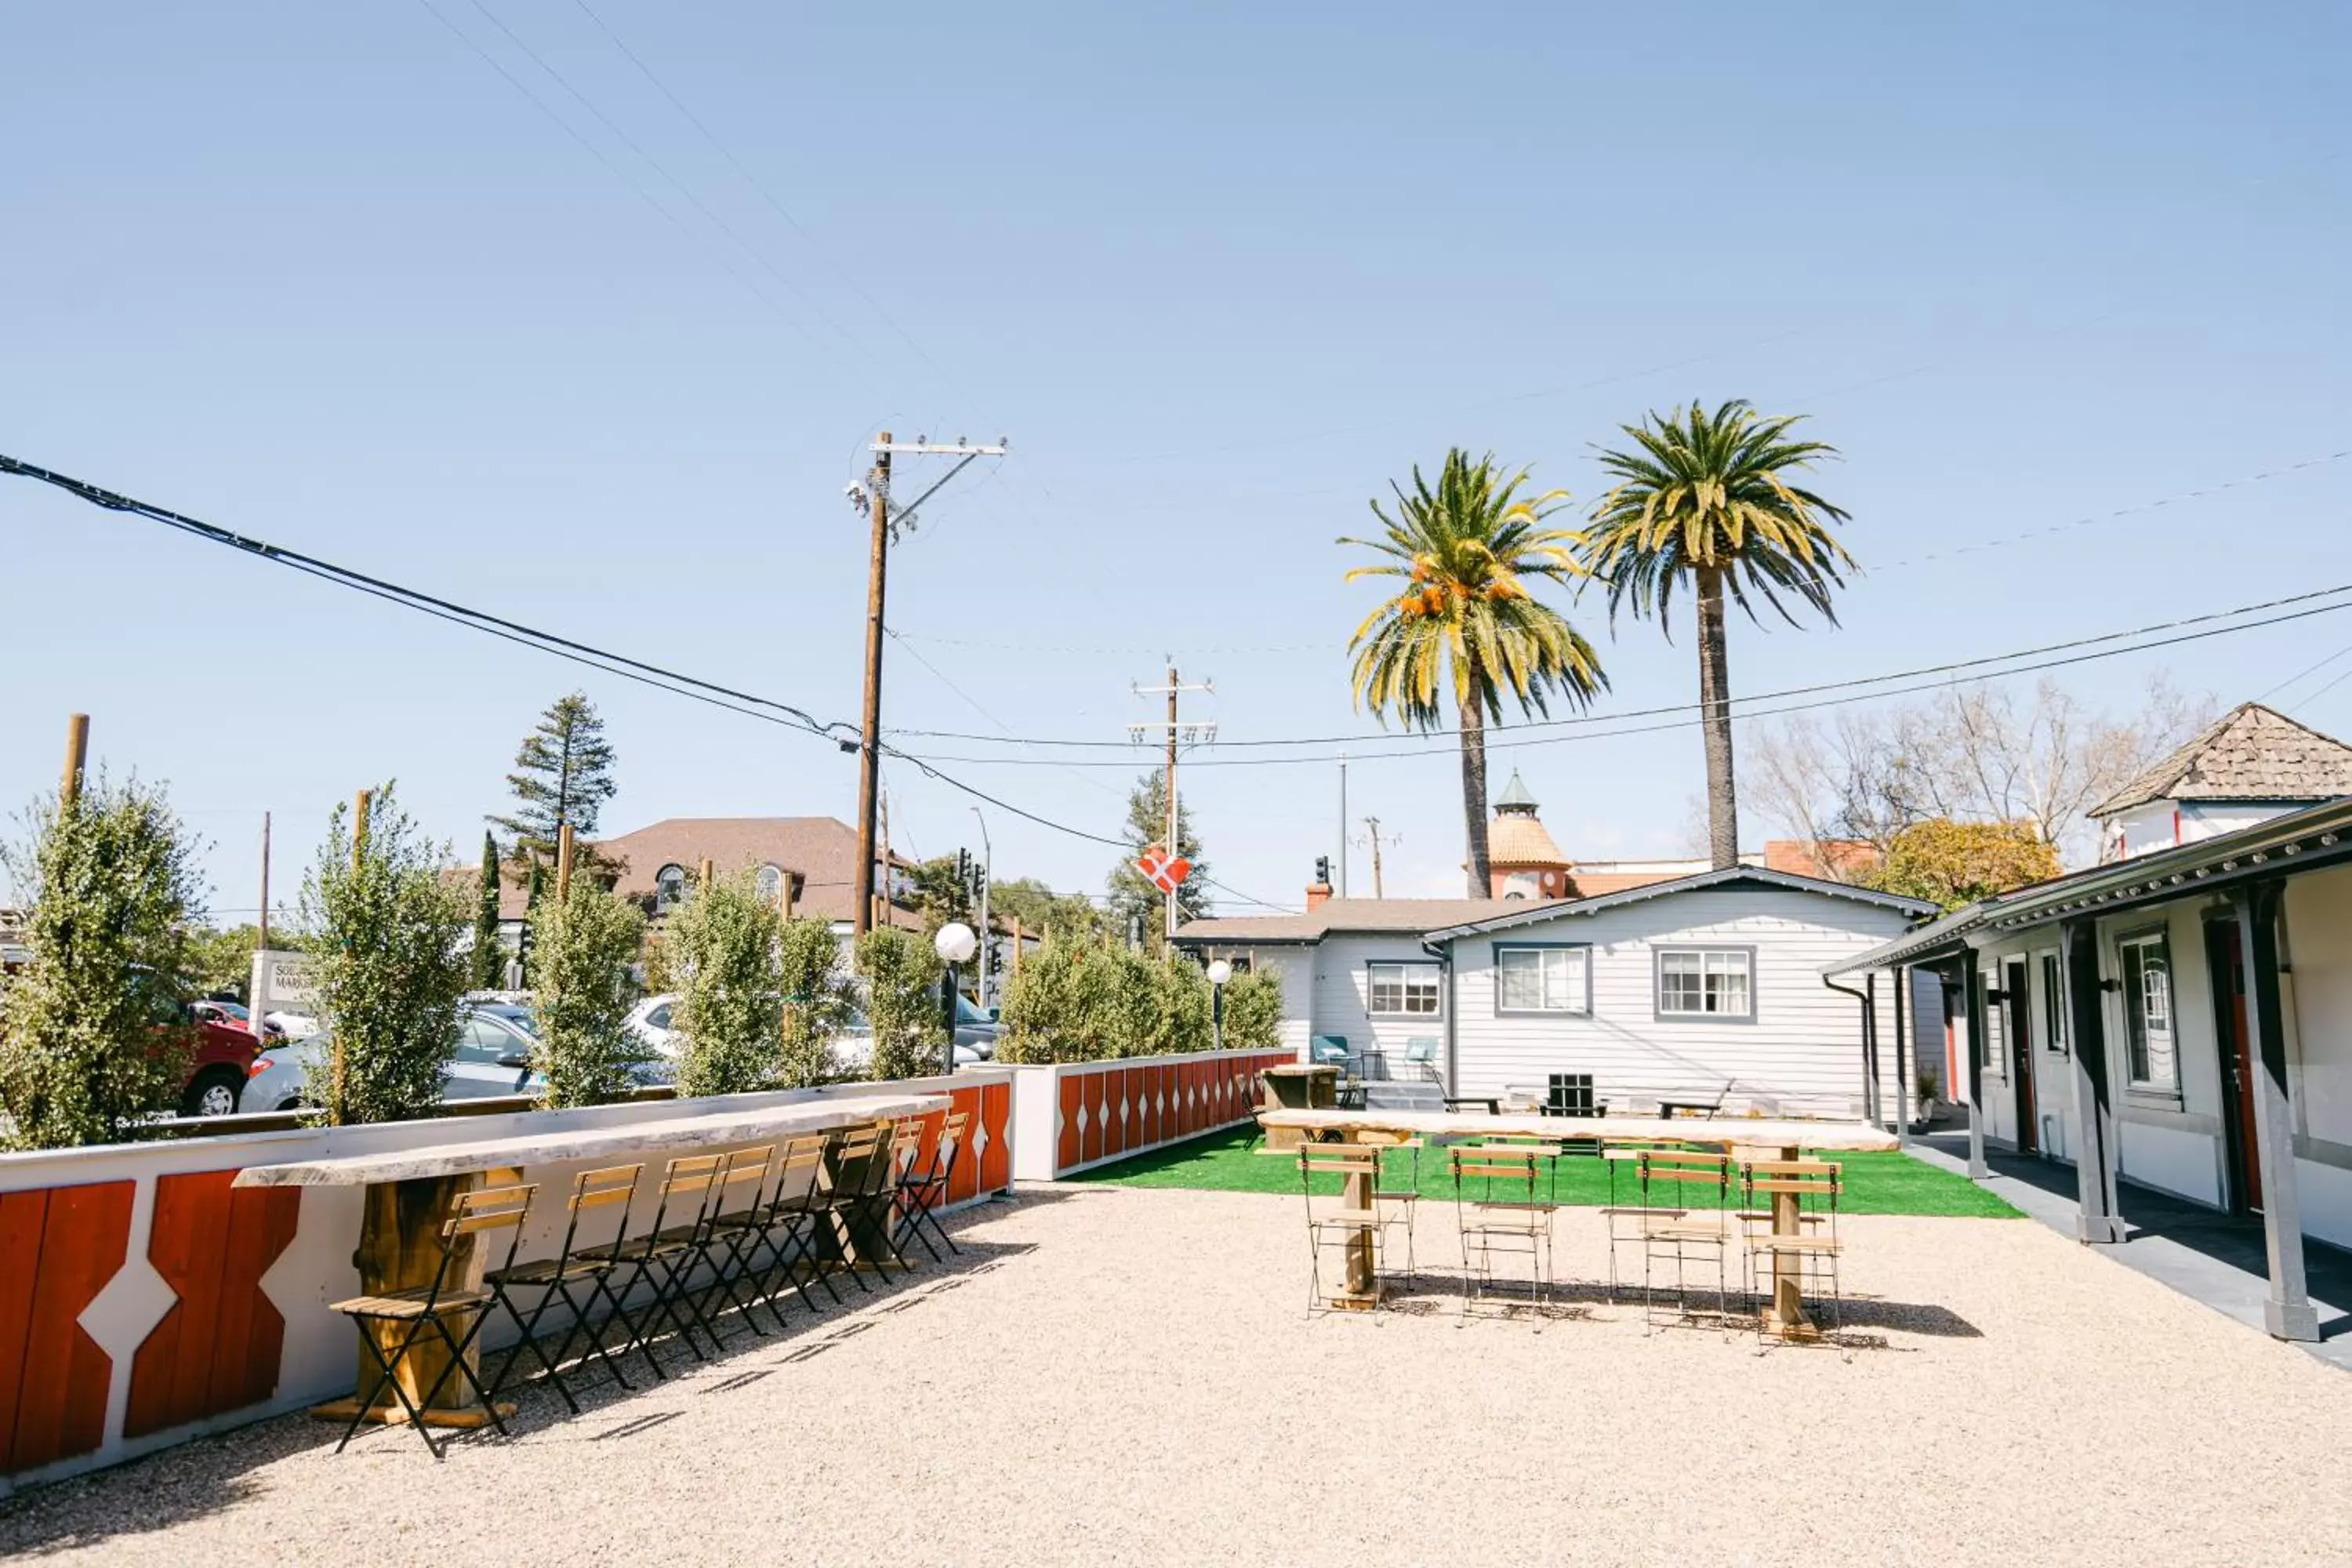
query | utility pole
(1373,836)
(888,521)
(261,942)
(76,758)
(564,865)
(1196,732)
(987,875)
(882,896)
(1343,832)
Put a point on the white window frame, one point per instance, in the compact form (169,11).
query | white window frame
(1577,984)
(2048,980)
(2140,1076)
(1715,959)
(1409,982)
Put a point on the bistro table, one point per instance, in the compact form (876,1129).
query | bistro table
(410,1193)
(1786,1316)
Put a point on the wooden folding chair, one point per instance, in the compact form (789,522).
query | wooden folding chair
(1518,1225)
(555,1278)
(662,1256)
(796,1206)
(1691,1233)
(731,1231)
(432,1307)
(921,1192)
(1813,1252)
(1333,1221)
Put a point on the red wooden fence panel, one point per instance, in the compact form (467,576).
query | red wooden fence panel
(218,1348)
(58,1246)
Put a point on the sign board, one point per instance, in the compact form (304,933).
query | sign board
(1167,874)
(282,982)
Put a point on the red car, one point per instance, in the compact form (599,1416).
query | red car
(225,1050)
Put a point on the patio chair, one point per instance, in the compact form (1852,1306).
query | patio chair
(1518,1225)
(556,1279)
(434,1306)
(1329,1051)
(731,1232)
(796,1206)
(1813,1251)
(1693,1234)
(921,1192)
(659,1255)
(1397,1205)
(858,1169)
(1421,1058)
(1332,1221)
(1627,1222)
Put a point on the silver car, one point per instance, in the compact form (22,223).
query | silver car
(493,1058)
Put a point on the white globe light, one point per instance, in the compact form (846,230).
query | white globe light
(1220,971)
(955,942)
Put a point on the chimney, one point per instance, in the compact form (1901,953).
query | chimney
(1319,893)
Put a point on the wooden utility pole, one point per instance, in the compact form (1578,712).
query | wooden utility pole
(706,873)
(76,758)
(869,755)
(881,907)
(1176,731)
(563,864)
(1174,849)
(1373,831)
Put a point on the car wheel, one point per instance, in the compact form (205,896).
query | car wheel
(213,1093)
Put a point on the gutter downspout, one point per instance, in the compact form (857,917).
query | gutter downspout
(1443,954)
(1869,1055)
(1904,1097)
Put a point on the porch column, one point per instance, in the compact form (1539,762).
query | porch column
(2287,1312)
(1973,990)
(1904,1098)
(2101,1218)
(1870,1095)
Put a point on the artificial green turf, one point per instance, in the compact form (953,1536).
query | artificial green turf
(1229,1161)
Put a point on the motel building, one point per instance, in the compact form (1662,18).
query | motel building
(2179,1018)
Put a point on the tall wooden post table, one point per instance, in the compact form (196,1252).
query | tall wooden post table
(411,1191)
(1784,1315)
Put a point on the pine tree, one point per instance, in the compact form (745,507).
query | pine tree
(489,958)
(563,774)
(1131,892)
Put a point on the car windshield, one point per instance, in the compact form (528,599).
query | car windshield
(968,1013)
(508,1013)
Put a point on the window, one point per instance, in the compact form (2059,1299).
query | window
(670,888)
(2054,1003)
(1403,990)
(771,884)
(2148,1013)
(1706,982)
(483,1041)
(659,1018)
(1542,980)
(1571,1093)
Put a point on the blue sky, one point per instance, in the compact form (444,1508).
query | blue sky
(323,275)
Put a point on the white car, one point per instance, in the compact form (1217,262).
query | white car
(649,1021)
(492,1058)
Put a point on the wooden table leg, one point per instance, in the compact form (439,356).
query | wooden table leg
(1787,1316)
(1361,1292)
(400,1248)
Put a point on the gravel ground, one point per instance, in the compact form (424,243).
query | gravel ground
(1120,1376)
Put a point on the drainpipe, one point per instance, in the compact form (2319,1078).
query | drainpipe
(1869,1057)
(1903,1100)
(1443,954)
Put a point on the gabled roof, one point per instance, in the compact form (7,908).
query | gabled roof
(2250,753)
(1727,878)
(822,849)
(1340,917)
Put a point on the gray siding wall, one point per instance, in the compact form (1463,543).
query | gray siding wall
(1342,995)
(1805,1042)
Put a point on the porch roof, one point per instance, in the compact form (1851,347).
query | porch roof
(2308,840)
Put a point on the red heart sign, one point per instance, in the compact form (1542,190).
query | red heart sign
(1166,875)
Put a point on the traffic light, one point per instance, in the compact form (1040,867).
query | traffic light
(979,882)
(1323,869)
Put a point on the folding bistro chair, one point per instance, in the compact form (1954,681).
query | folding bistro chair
(1813,1252)
(796,1206)
(857,1160)
(555,1278)
(1332,1222)
(432,1307)
(921,1192)
(731,1232)
(1520,1226)
(661,1256)
(1688,1235)
(1628,1222)
(1421,1058)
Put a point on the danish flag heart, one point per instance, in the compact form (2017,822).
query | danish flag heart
(1167,874)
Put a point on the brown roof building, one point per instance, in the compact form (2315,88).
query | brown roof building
(1521,860)
(657,862)
(2252,764)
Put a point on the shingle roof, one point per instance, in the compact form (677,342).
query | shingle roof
(1403,917)
(2250,753)
(1518,838)
(822,849)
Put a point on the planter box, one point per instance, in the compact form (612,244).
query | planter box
(1067,1115)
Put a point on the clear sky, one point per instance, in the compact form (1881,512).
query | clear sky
(321,274)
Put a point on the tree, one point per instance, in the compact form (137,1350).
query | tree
(1970,753)
(941,896)
(584,944)
(489,953)
(1707,501)
(385,934)
(1063,1007)
(1041,909)
(902,1002)
(1465,623)
(1955,863)
(817,1000)
(1253,1011)
(222,961)
(113,893)
(1133,895)
(564,776)
(722,946)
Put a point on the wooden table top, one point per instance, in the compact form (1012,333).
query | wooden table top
(793,1120)
(1728,1130)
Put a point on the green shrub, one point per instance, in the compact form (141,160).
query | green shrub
(585,944)
(902,1002)
(817,1000)
(1080,999)
(113,892)
(721,946)
(384,938)
(1253,1011)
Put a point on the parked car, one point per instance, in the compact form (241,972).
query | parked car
(853,1048)
(650,1022)
(225,1051)
(493,1058)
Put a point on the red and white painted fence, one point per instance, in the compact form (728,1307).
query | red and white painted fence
(145,1300)
(1067,1115)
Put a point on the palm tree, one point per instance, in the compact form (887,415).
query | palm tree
(1466,550)
(1707,497)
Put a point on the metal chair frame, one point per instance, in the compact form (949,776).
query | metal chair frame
(554,1278)
(1675,1238)
(653,1256)
(1340,1226)
(1505,1221)
(729,1230)
(921,1192)
(852,1155)
(430,1306)
(1626,1222)
(796,1206)
(1820,1183)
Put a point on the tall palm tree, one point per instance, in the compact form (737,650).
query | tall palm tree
(1465,620)
(1708,498)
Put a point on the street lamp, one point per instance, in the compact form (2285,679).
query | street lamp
(1219,973)
(954,945)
